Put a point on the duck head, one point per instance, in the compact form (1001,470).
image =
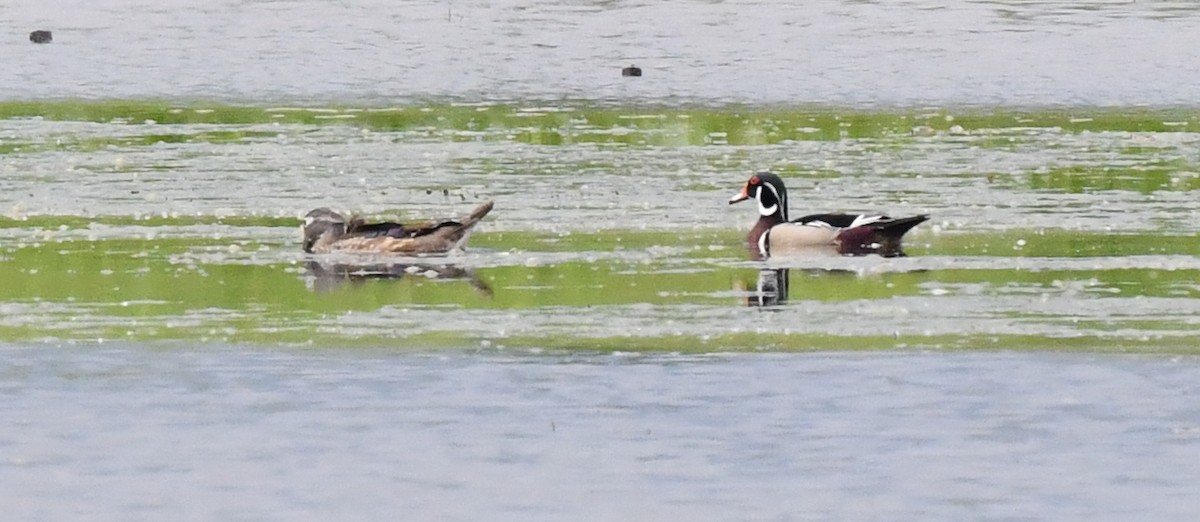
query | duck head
(767,189)
(322,226)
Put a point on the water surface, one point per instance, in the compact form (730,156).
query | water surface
(231,433)
(989,52)
(1051,229)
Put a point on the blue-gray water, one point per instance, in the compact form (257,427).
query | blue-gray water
(762,51)
(221,433)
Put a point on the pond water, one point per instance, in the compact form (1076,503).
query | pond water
(1051,229)
(605,348)
(983,52)
(236,434)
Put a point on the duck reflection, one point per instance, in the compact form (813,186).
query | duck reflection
(773,285)
(324,277)
(771,289)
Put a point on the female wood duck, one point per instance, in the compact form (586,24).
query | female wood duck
(327,231)
(846,234)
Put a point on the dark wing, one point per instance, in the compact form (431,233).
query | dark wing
(357,227)
(837,220)
(428,228)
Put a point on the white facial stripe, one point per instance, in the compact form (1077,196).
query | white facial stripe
(773,190)
(781,199)
(781,207)
(766,211)
(308,221)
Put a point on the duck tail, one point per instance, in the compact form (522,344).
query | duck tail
(478,214)
(896,228)
(457,233)
(888,234)
(881,237)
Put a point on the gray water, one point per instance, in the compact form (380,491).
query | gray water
(970,52)
(225,433)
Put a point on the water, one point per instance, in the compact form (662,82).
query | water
(229,433)
(605,349)
(611,228)
(840,52)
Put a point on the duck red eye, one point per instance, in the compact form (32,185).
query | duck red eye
(754,180)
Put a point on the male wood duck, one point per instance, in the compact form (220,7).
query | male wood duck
(846,234)
(327,231)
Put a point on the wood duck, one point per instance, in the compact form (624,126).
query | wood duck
(327,231)
(845,234)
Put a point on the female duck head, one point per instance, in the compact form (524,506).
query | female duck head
(324,225)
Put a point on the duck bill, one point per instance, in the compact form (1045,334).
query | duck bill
(740,196)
